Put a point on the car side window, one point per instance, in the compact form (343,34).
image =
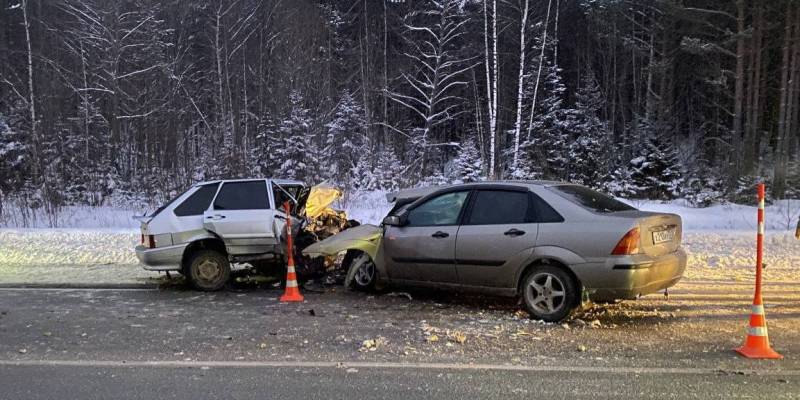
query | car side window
(242,196)
(495,207)
(279,193)
(198,202)
(544,212)
(438,211)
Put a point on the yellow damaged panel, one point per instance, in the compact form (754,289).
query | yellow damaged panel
(320,197)
(366,238)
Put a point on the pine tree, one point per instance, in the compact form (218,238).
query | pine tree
(387,174)
(295,136)
(345,144)
(466,166)
(551,128)
(588,156)
(656,170)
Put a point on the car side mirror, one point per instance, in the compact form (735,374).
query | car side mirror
(393,220)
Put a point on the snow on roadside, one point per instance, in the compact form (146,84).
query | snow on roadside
(69,256)
(98,246)
(106,256)
(781,215)
(731,256)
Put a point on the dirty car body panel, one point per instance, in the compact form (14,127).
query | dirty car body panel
(241,215)
(491,237)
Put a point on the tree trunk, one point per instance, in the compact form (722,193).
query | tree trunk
(490,92)
(495,83)
(752,127)
(36,164)
(738,96)
(779,167)
(539,71)
(521,81)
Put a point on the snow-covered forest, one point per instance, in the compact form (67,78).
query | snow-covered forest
(131,100)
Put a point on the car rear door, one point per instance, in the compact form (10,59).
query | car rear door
(423,250)
(498,233)
(241,215)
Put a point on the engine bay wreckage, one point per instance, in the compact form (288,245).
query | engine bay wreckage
(361,239)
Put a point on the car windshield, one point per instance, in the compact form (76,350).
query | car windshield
(590,199)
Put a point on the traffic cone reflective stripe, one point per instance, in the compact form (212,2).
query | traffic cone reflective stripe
(291,292)
(756,345)
(757,331)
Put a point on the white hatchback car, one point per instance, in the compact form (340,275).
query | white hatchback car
(213,224)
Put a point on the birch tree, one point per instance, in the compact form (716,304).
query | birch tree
(430,90)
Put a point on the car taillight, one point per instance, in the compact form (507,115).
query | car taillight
(148,241)
(629,244)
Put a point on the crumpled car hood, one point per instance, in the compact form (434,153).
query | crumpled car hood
(320,198)
(363,237)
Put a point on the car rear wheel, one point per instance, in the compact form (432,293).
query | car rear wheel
(208,270)
(362,274)
(549,293)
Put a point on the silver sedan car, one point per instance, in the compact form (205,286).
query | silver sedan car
(547,242)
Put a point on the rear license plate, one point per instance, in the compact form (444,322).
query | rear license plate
(664,236)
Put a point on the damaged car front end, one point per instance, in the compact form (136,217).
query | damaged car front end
(361,246)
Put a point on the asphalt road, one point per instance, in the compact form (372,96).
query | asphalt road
(362,382)
(242,343)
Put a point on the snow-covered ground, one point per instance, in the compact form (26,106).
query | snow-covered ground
(371,207)
(97,243)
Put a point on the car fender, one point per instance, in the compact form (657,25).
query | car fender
(366,238)
(555,253)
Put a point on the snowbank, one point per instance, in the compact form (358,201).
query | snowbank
(371,207)
(780,216)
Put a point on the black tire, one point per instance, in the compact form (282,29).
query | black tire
(549,293)
(362,274)
(208,270)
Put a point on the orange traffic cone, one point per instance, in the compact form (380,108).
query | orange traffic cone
(292,292)
(757,343)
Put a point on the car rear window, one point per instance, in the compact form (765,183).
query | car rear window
(494,207)
(198,201)
(242,196)
(590,199)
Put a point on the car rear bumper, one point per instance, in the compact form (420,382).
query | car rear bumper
(631,277)
(161,258)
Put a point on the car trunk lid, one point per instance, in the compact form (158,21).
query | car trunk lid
(660,232)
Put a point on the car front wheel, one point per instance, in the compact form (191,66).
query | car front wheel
(209,270)
(549,293)
(362,274)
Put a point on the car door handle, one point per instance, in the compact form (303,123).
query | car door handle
(440,234)
(217,216)
(514,232)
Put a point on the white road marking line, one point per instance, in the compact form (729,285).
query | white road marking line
(48,289)
(388,365)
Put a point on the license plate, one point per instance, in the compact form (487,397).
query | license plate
(664,236)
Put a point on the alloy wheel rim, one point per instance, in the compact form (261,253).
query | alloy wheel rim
(546,293)
(365,272)
(209,270)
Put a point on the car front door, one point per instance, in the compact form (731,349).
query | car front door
(497,234)
(423,250)
(242,217)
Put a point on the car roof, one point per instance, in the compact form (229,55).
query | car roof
(415,193)
(278,181)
